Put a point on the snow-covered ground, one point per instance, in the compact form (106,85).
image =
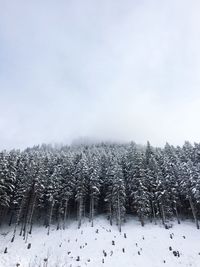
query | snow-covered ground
(103,245)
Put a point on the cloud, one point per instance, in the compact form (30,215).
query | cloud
(103,69)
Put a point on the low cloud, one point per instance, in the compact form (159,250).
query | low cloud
(103,69)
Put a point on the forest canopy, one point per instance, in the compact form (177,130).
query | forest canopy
(50,184)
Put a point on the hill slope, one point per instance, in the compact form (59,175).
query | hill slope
(103,245)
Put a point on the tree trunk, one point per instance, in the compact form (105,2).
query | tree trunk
(26,217)
(119,213)
(3,214)
(50,216)
(154,213)
(177,215)
(30,219)
(80,211)
(11,218)
(141,220)
(59,212)
(110,213)
(92,210)
(194,212)
(18,218)
(163,214)
(65,214)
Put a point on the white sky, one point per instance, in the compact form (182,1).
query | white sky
(105,69)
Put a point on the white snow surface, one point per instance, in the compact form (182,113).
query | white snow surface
(147,246)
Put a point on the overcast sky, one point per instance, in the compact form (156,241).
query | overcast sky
(105,69)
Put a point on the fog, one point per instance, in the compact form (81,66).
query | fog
(106,70)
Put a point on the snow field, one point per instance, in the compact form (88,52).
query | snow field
(103,245)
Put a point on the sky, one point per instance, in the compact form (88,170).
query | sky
(108,70)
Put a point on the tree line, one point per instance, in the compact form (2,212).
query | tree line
(49,184)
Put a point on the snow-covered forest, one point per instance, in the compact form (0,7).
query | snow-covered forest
(49,184)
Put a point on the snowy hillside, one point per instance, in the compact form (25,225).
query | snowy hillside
(103,245)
